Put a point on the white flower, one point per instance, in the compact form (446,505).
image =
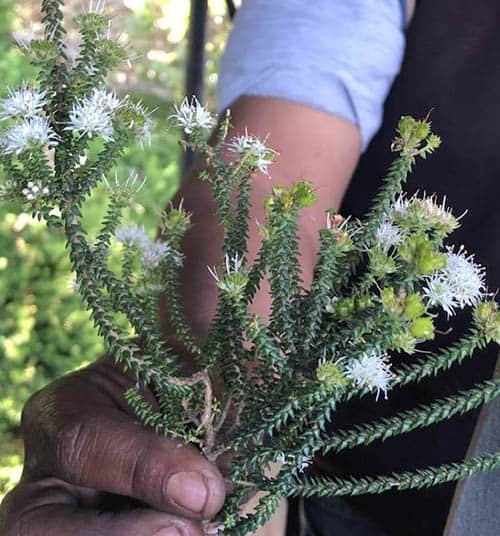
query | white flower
(371,371)
(233,266)
(460,284)
(24,102)
(127,189)
(192,115)
(400,206)
(93,115)
(105,99)
(34,190)
(303,463)
(156,252)
(27,134)
(425,209)
(235,279)
(132,236)
(388,235)
(98,8)
(253,149)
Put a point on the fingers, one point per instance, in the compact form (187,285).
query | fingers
(76,432)
(111,452)
(52,508)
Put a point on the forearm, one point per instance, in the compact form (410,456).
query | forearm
(312,145)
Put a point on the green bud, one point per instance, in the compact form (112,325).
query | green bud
(487,318)
(422,328)
(405,342)
(363,302)
(345,308)
(302,194)
(414,307)
(430,261)
(92,23)
(381,264)
(42,52)
(234,284)
(330,374)
(176,220)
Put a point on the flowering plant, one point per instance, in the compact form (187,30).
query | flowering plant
(377,286)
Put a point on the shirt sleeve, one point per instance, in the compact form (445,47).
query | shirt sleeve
(340,56)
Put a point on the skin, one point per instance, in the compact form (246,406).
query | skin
(90,467)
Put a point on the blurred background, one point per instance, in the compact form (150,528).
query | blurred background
(43,330)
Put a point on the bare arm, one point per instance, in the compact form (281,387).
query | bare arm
(312,145)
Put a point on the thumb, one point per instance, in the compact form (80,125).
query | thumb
(112,452)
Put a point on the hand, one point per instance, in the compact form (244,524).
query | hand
(92,469)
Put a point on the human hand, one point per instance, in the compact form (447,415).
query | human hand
(92,468)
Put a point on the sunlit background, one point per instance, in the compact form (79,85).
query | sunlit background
(43,330)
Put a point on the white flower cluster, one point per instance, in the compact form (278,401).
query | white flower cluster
(93,115)
(371,371)
(27,134)
(460,284)
(34,190)
(25,102)
(252,148)
(133,236)
(145,131)
(192,115)
(388,235)
(25,105)
(153,253)
(426,208)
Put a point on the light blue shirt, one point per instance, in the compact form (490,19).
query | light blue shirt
(340,56)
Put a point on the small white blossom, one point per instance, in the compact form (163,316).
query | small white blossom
(127,189)
(23,38)
(27,134)
(371,371)
(233,266)
(253,149)
(132,236)
(34,190)
(388,235)
(155,253)
(235,279)
(105,99)
(98,7)
(400,206)
(192,115)
(425,209)
(24,102)
(303,463)
(92,116)
(460,284)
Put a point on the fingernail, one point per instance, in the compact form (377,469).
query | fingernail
(188,490)
(168,531)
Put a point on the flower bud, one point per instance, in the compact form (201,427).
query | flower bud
(422,328)
(302,194)
(330,374)
(414,307)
